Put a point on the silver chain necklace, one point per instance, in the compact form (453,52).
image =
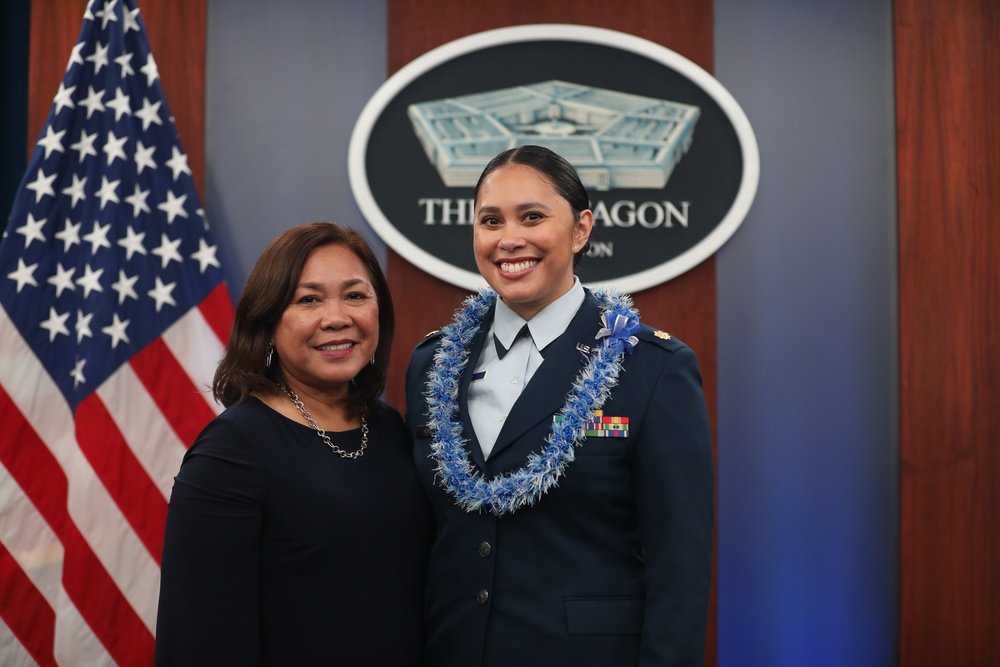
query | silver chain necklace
(297,402)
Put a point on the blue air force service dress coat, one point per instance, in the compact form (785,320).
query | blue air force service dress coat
(610,568)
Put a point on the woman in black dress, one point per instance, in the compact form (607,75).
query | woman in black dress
(297,533)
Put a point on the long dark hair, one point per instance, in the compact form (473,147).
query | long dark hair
(269,290)
(559,172)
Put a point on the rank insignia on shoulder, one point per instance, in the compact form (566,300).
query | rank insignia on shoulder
(662,334)
(428,335)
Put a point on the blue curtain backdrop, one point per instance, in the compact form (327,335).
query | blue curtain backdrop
(808,371)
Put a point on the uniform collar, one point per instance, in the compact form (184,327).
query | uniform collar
(544,327)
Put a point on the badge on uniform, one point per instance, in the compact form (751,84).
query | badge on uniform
(602,426)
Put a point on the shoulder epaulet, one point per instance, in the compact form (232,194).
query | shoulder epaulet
(429,339)
(659,337)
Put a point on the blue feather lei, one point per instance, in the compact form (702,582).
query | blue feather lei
(509,492)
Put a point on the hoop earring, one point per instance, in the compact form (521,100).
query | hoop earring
(270,355)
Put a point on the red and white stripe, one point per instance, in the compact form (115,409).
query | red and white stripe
(83,497)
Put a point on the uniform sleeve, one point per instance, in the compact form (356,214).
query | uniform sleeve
(209,592)
(413,390)
(675,485)
(416,378)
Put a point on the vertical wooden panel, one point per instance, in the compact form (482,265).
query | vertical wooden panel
(55,25)
(686,305)
(948,106)
(177,38)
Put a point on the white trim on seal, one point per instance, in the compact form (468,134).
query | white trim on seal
(553,32)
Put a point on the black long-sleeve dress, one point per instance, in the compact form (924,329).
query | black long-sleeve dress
(280,552)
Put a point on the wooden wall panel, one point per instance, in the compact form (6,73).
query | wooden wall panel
(684,306)
(948,132)
(176,32)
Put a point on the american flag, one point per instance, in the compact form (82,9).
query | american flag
(113,316)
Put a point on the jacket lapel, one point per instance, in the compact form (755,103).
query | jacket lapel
(475,349)
(546,393)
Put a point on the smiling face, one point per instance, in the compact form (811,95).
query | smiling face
(329,330)
(525,237)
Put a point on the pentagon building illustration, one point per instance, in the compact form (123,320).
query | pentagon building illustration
(615,140)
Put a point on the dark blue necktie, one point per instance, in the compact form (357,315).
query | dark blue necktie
(501,350)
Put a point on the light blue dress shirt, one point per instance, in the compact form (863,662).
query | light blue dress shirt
(497,382)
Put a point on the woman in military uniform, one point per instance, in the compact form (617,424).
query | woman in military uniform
(565,449)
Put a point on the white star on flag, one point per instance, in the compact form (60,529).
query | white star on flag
(178,163)
(52,141)
(93,101)
(125,62)
(149,113)
(120,104)
(56,324)
(77,372)
(133,241)
(138,201)
(114,147)
(23,275)
(77,191)
(174,206)
(63,279)
(85,146)
(98,237)
(64,99)
(32,230)
(70,234)
(42,185)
